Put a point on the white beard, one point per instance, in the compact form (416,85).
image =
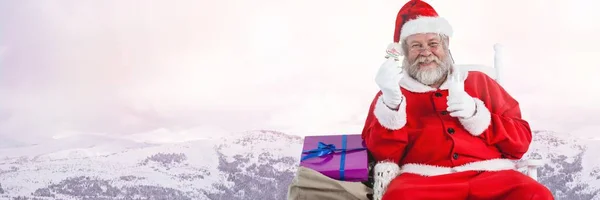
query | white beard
(427,76)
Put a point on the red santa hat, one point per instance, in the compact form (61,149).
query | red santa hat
(417,16)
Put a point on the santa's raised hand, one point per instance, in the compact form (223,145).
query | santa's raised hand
(460,104)
(388,78)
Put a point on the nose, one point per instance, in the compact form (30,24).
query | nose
(425,52)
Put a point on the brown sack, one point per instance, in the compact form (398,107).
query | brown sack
(312,185)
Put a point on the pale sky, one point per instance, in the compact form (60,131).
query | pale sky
(176,70)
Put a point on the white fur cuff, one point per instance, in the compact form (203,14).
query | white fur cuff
(480,122)
(389,118)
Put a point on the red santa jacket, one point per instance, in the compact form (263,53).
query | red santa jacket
(426,140)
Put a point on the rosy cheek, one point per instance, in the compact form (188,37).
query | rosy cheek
(412,59)
(413,56)
(439,53)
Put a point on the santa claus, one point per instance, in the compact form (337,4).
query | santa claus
(444,133)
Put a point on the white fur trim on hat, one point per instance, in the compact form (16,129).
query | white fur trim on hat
(426,25)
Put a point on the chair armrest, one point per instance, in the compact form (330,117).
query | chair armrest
(383,174)
(531,166)
(530,163)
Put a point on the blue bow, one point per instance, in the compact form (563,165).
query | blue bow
(328,149)
(322,150)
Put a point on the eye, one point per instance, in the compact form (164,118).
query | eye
(415,45)
(434,44)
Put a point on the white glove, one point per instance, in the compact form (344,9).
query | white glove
(460,104)
(388,78)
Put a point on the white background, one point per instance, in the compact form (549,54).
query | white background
(178,70)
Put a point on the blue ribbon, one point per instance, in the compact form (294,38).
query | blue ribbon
(329,149)
(343,159)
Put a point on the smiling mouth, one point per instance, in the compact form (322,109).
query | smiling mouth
(426,64)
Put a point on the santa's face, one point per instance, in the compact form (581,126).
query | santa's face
(426,60)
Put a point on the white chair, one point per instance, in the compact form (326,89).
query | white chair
(528,166)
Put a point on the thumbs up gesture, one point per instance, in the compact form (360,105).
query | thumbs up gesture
(460,104)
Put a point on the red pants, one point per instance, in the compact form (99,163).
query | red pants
(470,185)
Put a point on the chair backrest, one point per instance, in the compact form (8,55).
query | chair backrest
(492,71)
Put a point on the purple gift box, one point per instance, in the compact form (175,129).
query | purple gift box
(340,157)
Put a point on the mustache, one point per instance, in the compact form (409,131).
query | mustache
(426,59)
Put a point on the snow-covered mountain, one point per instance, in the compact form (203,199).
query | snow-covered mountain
(232,168)
(97,167)
(572,165)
